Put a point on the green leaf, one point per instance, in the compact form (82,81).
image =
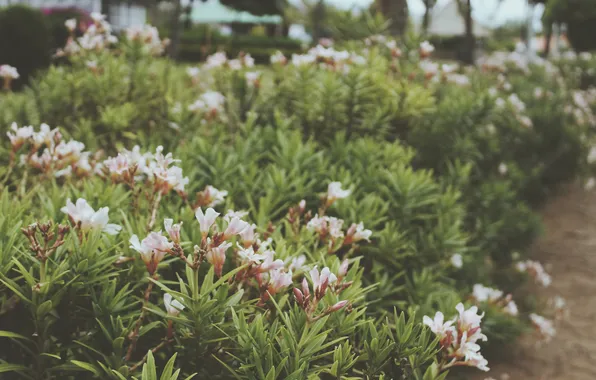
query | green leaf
(86,366)
(168,369)
(149,370)
(7,367)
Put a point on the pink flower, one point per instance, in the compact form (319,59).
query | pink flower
(235,227)
(206,220)
(297,263)
(468,319)
(270,263)
(279,280)
(216,256)
(152,249)
(173,230)
(248,235)
(320,281)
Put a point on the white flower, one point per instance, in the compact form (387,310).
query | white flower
(206,220)
(544,326)
(468,319)
(457,260)
(193,72)
(334,191)
(9,72)
(278,58)
(234,214)
(297,263)
(20,136)
(270,263)
(252,77)
(357,232)
(153,249)
(503,168)
(430,68)
(248,256)
(248,235)
(71,24)
(592,155)
(438,325)
(216,60)
(213,196)
(279,280)
(320,281)
(426,48)
(235,227)
(536,270)
(89,219)
(485,294)
(511,309)
(210,101)
(172,229)
(173,306)
(590,184)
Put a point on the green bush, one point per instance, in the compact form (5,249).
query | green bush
(442,169)
(25,40)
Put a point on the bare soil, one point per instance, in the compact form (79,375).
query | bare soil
(568,251)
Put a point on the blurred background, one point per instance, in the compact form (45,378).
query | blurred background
(462,30)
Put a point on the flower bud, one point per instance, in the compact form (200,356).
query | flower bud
(338,306)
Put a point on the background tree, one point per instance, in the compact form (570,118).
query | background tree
(258,7)
(428,7)
(465,9)
(396,11)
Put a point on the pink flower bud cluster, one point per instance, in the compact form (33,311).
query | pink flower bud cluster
(323,282)
(458,338)
(155,169)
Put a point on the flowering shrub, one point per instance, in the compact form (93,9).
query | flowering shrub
(305,222)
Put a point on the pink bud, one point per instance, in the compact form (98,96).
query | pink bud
(338,306)
(299,296)
(343,269)
(305,289)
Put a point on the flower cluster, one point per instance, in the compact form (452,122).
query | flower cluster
(278,58)
(495,297)
(322,283)
(536,271)
(518,106)
(209,104)
(381,40)
(49,153)
(85,218)
(97,37)
(156,169)
(221,60)
(328,57)
(148,38)
(210,197)
(545,327)
(458,338)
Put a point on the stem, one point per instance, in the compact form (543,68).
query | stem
(42,272)
(134,335)
(154,211)
(195,287)
(153,350)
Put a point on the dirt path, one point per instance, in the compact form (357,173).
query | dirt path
(568,250)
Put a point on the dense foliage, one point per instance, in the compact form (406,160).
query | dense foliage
(372,188)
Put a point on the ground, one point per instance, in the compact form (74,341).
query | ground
(568,250)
